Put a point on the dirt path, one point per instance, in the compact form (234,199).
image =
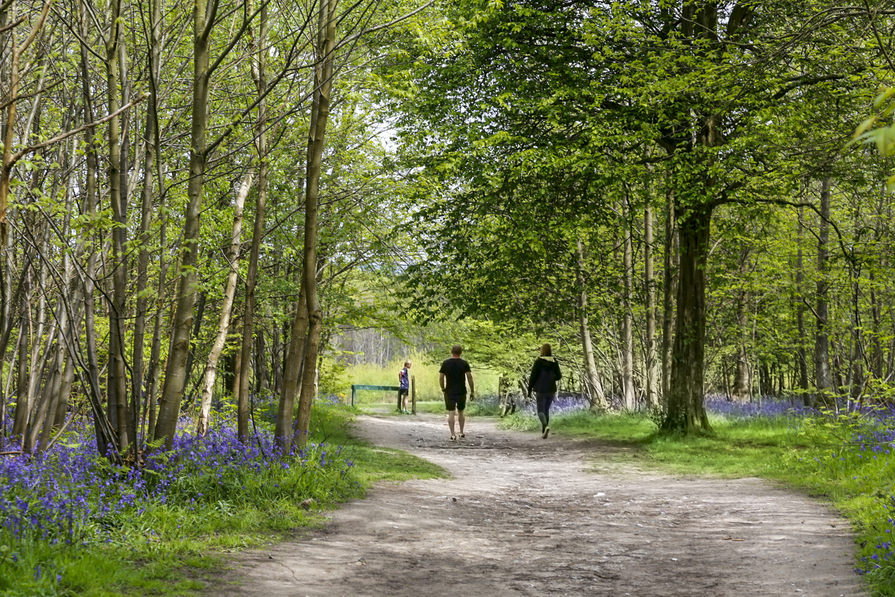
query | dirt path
(526,516)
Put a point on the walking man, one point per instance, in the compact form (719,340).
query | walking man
(452,378)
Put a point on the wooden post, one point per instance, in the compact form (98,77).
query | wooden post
(352,394)
(399,401)
(413,394)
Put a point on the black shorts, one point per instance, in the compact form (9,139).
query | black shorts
(403,392)
(452,402)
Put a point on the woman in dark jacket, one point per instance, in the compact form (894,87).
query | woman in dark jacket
(544,375)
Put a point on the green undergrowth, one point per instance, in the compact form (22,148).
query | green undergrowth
(737,448)
(182,549)
(848,461)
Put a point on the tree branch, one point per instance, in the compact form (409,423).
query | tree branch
(11,25)
(38,92)
(360,34)
(67,134)
(802,81)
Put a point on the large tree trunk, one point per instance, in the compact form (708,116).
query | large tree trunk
(276,357)
(70,307)
(175,373)
(685,407)
(48,396)
(821,338)
(323,78)
(211,366)
(686,404)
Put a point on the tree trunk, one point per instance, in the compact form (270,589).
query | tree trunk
(668,292)
(20,420)
(89,279)
(292,376)
(649,280)
(801,354)
(323,78)
(117,372)
(48,398)
(592,376)
(821,337)
(742,380)
(7,163)
(876,355)
(276,357)
(628,396)
(150,164)
(175,371)
(685,408)
(211,366)
(259,75)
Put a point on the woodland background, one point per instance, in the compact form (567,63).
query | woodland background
(204,203)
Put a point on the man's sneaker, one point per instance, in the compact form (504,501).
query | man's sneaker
(462,436)
(546,433)
(453,438)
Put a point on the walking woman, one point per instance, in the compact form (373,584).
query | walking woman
(544,375)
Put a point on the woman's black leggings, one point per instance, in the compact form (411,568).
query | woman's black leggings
(545,399)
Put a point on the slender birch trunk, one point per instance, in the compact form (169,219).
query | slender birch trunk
(668,292)
(259,75)
(592,376)
(211,366)
(821,337)
(801,353)
(628,396)
(649,278)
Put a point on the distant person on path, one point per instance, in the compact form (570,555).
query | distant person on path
(544,375)
(404,384)
(453,375)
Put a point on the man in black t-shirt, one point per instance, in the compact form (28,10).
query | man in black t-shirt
(453,375)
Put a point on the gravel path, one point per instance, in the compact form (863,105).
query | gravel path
(525,516)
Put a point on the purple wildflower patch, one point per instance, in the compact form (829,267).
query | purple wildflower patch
(70,494)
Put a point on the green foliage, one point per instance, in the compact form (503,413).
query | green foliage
(882,136)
